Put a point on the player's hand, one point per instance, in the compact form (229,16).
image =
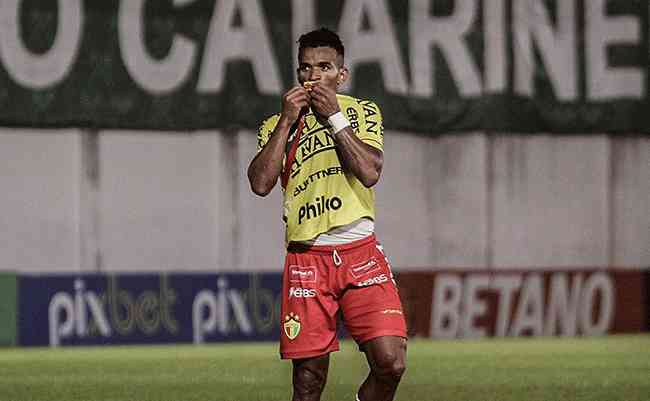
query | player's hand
(323,100)
(293,102)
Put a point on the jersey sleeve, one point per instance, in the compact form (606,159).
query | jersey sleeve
(265,131)
(366,121)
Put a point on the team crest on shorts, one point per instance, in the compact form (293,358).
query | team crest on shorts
(292,325)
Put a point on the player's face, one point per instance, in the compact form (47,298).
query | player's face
(321,64)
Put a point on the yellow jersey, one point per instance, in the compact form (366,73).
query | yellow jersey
(319,194)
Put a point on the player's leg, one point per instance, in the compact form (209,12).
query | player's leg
(387,360)
(309,377)
(309,312)
(372,313)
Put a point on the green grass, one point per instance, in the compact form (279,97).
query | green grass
(548,369)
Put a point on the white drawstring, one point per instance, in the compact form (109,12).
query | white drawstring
(337,259)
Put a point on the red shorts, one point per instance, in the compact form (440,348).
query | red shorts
(319,281)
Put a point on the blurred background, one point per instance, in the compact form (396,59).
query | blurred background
(515,197)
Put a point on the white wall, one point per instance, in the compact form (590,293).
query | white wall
(631,202)
(431,200)
(152,201)
(550,201)
(39,201)
(159,200)
(259,229)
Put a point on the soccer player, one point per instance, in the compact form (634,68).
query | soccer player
(327,151)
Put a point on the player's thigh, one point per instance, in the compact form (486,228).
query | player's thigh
(371,304)
(309,310)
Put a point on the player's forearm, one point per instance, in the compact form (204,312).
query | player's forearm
(361,159)
(266,167)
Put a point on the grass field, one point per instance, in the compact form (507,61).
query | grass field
(607,369)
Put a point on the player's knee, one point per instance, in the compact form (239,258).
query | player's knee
(390,368)
(308,381)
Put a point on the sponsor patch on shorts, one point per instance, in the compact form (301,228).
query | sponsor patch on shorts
(298,292)
(302,274)
(373,280)
(392,312)
(362,269)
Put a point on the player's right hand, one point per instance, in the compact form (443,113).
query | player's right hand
(293,102)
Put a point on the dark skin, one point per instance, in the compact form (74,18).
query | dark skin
(324,65)
(386,355)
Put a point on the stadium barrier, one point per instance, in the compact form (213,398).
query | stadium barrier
(475,304)
(97,309)
(105,309)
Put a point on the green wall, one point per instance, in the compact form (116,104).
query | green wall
(8,308)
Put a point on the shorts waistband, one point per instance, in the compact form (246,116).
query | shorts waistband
(302,248)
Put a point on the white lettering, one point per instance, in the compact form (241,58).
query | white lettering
(76,314)
(218,312)
(40,71)
(586,306)
(98,313)
(153,75)
(530,308)
(248,42)
(445,311)
(297,292)
(58,329)
(362,45)
(80,308)
(373,280)
(557,50)
(505,287)
(447,33)
(496,67)
(562,309)
(300,274)
(201,323)
(473,307)
(604,81)
(598,284)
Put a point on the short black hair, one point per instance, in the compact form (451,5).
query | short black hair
(322,37)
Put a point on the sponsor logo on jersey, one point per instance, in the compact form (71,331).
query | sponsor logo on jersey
(298,292)
(312,143)
(382,278)
(391,312)
(370,112)
(301,187)
(353,118)
(321,205)
(302,274)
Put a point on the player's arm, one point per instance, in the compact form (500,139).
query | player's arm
(363,160)
(266,166)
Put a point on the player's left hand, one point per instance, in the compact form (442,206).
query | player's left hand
(323,100)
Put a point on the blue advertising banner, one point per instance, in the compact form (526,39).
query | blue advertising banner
(96,309)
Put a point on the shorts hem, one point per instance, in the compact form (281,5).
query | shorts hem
(306,354)
(381,333)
